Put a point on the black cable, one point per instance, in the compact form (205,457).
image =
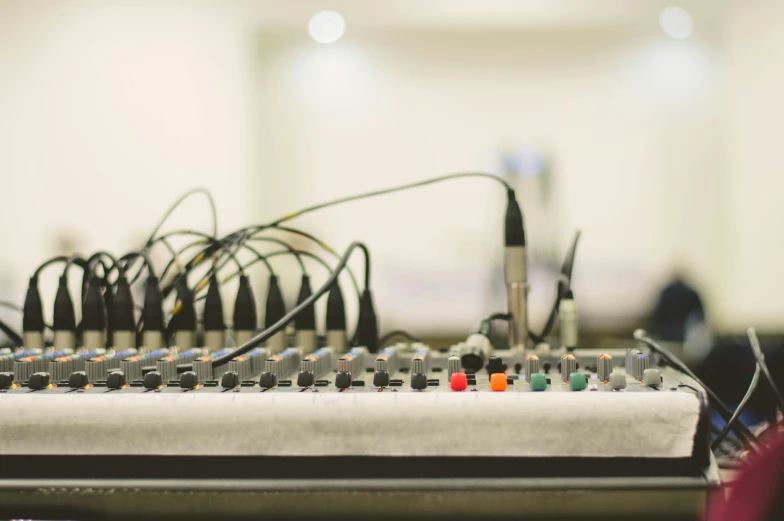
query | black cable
(53,260)
(563,284)
(760,357)
(390,190)
(740,428)
(280,324)
(286,245)
(397,332)
(12,335)
(174,206)
(11,305)
(742,405)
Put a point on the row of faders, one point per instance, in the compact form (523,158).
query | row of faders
(26,366)
(133,365)
(349,365)
(167,366)
(61,368)
(243,368)
(385,367)
(314,365)
(279,366)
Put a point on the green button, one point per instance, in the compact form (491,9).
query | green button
(538,382)
(577,381)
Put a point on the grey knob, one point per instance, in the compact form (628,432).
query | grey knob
(203,368)
(630,355)
(96,369)
(617,381)
(61,368)
(652,377)
(417,365)
(23,368)
(381,364)
(453,366)
(531,366)
(344,365)
(132,367)
(640,363)
(168,368)
(604,367)
(568,366)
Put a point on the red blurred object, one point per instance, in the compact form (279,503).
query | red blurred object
(757,492)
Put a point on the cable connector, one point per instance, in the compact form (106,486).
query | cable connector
(367,323)
(33,311)
(64,314)
(245,318)
(213,307)
(275,308)
(514,228)
(93,307)
(306,320)
(152,312)
(336,309)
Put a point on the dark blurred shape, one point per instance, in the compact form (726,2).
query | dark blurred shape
(756,494)
(678,305)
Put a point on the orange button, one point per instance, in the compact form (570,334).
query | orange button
(498,382)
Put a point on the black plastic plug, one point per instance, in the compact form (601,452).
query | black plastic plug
(213,307)
(336,309)
(64,314)
(93,308)
(245,318)
(124,319)
(33,310)
(152,313)
(185,318)
(514,230)
(306,319)
(275,308)
(367,323)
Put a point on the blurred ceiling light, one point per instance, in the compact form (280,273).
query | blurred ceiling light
(676,22)
(326,26)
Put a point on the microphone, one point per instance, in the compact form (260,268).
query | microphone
(516,273)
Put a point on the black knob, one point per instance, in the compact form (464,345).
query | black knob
(153,380)
(6,380)
(38,381)
(115,380)
(418,381)
(230,380)
(77,380)
(343,380)
(381,378)
(495,365)
(268,380)
(189,380)
(306,379)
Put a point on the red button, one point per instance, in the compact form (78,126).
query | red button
(458,382)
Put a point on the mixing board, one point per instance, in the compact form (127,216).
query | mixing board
(83,432)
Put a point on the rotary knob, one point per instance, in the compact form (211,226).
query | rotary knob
(418,376)
(381,372)
(640,363)
(153,380)
(531,366)
(453,366)
(604,366)
(568,366)
(343,378)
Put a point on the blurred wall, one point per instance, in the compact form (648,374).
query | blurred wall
(110,111)
(630,121)
(754,41)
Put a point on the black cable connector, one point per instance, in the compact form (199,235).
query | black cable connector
(93,308)
(185,318)
(336,309)
(108,301)
(64,314)
(514,231)
(33,310)
(124,319)
(306,320)
(367,323)
(213,307)
(276,307)
(245,318)
(152,312)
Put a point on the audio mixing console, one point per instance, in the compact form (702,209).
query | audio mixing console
(83,432)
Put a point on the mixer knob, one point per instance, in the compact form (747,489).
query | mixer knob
(306,379)
(153,380)
(230,380)
(268,380)
(640,363)
(381,373)
(531,366)
(652,377)
(343,378)
(631,354)
(458,381)
(38,381)
(617,381)
(189,380)
(6,380)
(577,381)
(78,380)
(453,366)
(418,376)
(568,366)
(538,382)
(604,366)
(167,366)
(116,380)
(495,365)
